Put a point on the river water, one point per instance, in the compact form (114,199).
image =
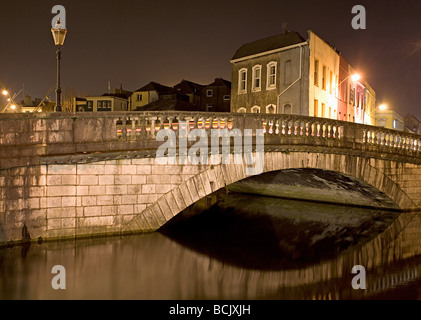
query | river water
(238,247)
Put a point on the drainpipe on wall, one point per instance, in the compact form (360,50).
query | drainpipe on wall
(299,78)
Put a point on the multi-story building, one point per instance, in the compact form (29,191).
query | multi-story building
(412,124)
(288,74)
(388,118)
(271,76)
(216,97)
(192,90)
(106,102)
(149,93)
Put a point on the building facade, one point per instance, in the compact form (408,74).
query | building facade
(216,97)
(412,124)
(270,76)
(290,75)
(107,102)
(388,118)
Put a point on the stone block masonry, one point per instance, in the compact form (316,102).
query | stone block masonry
(58,201)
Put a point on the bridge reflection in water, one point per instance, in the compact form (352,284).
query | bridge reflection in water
(176,266)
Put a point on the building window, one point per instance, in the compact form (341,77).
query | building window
(209,93)
(323,110)
(103,105)
(255,109)
(287,109)
(271,75)
(257,75)
(208,107)
(316,72)
(270,109)
(89,106)
(324,78)
(352,95)
(331,82)
(242,81)
(287,72)
(381,122)
(139,97)
(242,110)
(316,108)
(227,97)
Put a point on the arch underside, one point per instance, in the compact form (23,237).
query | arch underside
(214,177)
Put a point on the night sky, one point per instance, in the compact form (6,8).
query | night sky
(134,42)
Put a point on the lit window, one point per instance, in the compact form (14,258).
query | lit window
(271,75)
(257,75)
(242,81)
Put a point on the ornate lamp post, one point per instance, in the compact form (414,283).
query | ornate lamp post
(59,34)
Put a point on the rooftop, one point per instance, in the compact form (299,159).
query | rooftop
(268,44)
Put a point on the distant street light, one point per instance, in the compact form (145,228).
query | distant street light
(355,77)
(383,107)
(5,93)
(59,34)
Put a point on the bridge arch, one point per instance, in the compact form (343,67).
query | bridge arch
(213,178)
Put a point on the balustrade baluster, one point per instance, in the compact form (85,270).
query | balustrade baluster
(277,127)
(271,126)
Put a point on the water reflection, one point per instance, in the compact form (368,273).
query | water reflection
(155,266)
(271,233)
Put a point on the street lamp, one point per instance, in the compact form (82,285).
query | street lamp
(59,34)
(383,107)
(354,77)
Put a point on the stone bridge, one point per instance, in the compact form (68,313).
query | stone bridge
(66,175)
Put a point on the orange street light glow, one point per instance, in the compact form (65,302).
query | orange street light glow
(5,93)
(355,77)
(383,107)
